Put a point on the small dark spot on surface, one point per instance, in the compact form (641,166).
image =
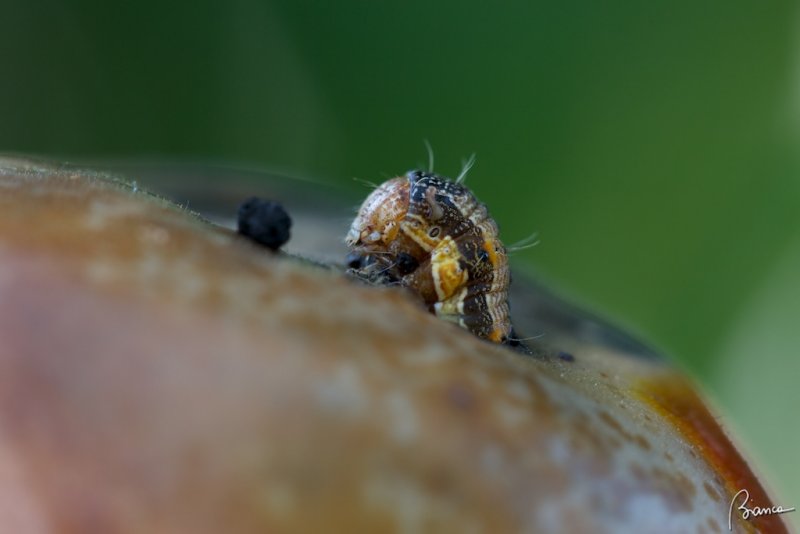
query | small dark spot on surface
(638,439)
(441,480)
(713,525)
(264,221)
(460,397)
(687,485)
(638,472)
(642,442)
(566,356)
(676,487)
(711,491)
(614,424)
(668,456)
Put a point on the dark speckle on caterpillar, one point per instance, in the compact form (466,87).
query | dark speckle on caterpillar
(432,236)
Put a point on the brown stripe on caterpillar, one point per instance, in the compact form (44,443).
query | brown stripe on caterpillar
(432,236)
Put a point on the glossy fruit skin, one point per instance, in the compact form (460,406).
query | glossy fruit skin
(431,235)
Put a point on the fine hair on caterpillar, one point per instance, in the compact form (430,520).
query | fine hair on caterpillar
(466,166)
(524,244)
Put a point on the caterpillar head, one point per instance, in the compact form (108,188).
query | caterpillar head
(378,221)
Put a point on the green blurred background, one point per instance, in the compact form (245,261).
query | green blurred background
(652,145)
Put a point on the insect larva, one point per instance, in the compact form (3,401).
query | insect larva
(431,235)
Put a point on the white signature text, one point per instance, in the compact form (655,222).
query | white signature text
(755,511)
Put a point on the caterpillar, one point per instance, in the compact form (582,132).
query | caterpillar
(431,235)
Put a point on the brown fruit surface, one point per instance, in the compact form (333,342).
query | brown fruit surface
(161,374)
